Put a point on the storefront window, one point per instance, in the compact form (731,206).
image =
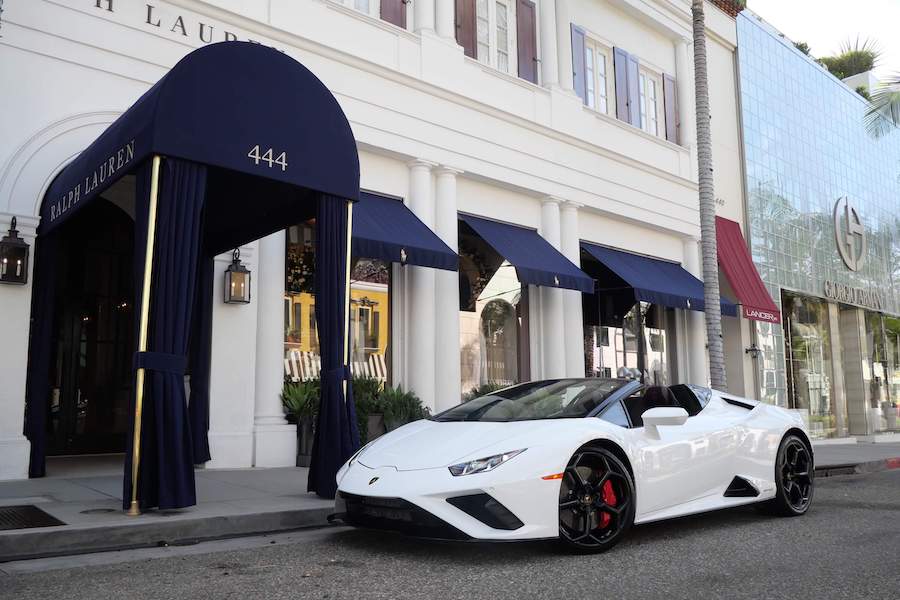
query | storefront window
(881,376)
(493,320)
(369,311)
(808,350)
(639,346)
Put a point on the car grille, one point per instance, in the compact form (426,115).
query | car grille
(396,514)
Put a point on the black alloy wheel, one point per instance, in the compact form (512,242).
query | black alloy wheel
(794,476)
(596,501)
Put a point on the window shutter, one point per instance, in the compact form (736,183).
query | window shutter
(578,74)
(620,64)
(526,34)
(394,11)
(465,27)
(634,91)
(670,97)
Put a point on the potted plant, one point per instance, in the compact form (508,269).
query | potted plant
(890,414)
(301,404)
(401,407)
(369,411)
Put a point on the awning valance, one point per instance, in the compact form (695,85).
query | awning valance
(653,280)
(535,260)
(385,228)
(737,264)
(235,106)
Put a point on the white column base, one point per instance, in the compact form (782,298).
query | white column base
(274,445)
(14,456)
(230,450)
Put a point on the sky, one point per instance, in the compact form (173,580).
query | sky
(826,24)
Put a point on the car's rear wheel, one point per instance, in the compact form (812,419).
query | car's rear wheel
(794,478)
(596,501)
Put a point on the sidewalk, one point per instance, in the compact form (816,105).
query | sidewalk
(229,503)
(85,494)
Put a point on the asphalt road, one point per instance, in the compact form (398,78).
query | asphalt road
(847,546)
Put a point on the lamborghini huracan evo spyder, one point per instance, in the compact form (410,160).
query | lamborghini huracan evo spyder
(577,459)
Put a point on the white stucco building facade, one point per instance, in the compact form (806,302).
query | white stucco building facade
(447,133)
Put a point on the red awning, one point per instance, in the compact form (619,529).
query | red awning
(736,262)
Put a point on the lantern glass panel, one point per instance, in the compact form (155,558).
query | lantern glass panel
(237,287)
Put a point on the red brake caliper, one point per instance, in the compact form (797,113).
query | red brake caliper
(609,498)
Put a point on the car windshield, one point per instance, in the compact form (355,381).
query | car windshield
(556,399)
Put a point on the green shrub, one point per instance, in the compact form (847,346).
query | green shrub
(300,399)
(483,390)
(401,407)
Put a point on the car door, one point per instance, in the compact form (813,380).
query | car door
(685,462)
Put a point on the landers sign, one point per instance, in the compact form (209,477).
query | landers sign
(761,315)
(116,162)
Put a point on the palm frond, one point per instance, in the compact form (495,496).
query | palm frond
(883,112)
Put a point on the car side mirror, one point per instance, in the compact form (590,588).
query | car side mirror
(663,415)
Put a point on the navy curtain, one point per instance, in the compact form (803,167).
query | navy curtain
(337,435)
(37,382)
(199,359)
(166,473)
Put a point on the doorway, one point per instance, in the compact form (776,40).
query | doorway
(93,330)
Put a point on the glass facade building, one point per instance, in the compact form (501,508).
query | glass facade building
(823,214)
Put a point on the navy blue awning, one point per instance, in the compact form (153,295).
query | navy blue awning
(653,280)
(385,228)
(535,260)
(236,106)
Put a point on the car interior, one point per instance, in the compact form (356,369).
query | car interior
(653,396)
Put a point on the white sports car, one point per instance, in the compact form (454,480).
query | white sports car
(577,459)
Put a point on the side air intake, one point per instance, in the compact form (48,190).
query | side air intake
(741,488)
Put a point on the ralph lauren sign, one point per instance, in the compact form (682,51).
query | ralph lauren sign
(114,163)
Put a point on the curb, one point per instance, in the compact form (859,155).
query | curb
(62,541)
(862,468)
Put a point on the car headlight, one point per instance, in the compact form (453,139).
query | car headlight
(482,465)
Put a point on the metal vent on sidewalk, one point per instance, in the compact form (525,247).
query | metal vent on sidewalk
(25,517)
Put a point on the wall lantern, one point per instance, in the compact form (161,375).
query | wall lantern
(13,257)
(754,351)
(237,281)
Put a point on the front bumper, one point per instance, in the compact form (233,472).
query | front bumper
(426,502)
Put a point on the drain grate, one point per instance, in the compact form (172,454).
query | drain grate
(25,517)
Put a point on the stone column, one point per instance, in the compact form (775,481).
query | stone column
(553,340)
(564,44)
(421,330)
(684,75)
(423,15)
(445,19)
(274,440)
(446,357)
(549,59)
(15,308)
(696,322)
(571,249)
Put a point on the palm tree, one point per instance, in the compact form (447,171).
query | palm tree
(883,114)
(707,204)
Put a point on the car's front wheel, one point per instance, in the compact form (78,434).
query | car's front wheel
(596,501)
(794,479)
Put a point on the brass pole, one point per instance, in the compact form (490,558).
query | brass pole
(134,510)
(347,293)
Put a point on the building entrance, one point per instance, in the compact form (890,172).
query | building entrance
(93,334)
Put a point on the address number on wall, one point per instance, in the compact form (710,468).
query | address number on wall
(267,157)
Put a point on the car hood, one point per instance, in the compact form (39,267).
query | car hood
(429,444)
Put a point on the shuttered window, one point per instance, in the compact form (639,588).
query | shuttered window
(599,87)
(526,35)
(494,39)
(651,102)
(670,100)
(502,37)
(620,61)
(392,11)
(579,76)
(466,27)
(483,23)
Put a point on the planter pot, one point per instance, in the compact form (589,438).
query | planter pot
(304,441)
(375,426)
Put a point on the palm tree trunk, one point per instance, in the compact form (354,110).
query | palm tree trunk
(707,204)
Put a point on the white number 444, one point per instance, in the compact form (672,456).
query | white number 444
(266,157)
